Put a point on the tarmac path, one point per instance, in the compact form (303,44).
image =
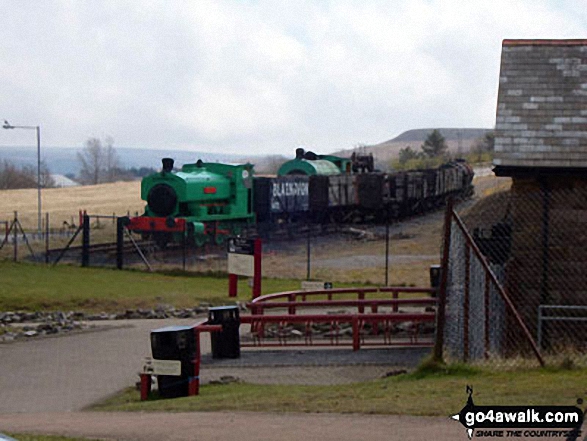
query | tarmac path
(46,383)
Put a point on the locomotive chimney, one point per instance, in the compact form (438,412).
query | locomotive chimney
(299,153)
(167,164)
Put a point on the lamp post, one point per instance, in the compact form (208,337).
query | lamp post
(7,125)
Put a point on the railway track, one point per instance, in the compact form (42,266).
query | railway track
(106,247)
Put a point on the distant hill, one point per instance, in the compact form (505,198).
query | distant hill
(63,160)
(420,135)
(385,151)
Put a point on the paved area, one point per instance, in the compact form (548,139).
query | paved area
(44,383)
(71,372)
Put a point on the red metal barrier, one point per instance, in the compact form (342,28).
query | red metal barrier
(358,321)
(360,304)
(294,300)
(194,384)
(292,295)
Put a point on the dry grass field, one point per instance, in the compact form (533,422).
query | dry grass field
(415,244)
(64,203)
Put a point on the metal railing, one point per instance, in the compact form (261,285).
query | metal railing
(359,328)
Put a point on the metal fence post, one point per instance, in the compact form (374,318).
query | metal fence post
(437,354)
(308,253)
(387,252)
(86,241)
(15,236)
(120,224)
(47,230)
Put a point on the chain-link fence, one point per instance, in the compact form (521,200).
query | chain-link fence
(516,282)
(19,241)
(398,254)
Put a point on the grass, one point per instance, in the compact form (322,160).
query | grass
(33,287)
(63,204)
(436,391)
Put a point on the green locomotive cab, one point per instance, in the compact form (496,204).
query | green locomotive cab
(311,164)
(213,200)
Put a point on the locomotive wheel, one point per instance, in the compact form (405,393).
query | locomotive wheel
(161,239)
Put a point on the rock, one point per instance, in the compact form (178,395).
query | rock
(226,379)
(9,336)
(406,326)
(347,332)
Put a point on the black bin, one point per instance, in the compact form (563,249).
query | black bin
(226,343)
(175,343)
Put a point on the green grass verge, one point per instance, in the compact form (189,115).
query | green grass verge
(31,287)
(427,391)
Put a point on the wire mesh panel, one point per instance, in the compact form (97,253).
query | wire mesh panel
(517,276)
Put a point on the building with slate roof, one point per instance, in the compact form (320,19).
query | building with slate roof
(541,119)
(541,142)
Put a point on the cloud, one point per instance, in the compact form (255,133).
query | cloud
(259,76)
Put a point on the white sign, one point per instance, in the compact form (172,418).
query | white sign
(161,367)
(241,265)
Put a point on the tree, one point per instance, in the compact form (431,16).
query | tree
(484,146)
(99,163)
(12,177)
(111,161)
(434,145)
(407,154)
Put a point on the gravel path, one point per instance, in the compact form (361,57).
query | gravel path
(237,426)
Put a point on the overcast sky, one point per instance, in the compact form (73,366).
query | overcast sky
(258,77)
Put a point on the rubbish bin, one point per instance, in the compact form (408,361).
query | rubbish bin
(226,343)
(435,273)
(175,343)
